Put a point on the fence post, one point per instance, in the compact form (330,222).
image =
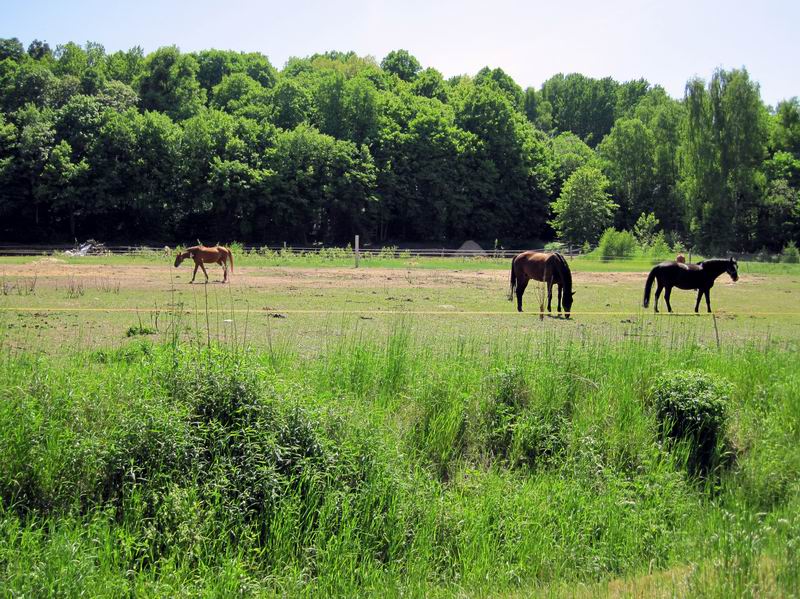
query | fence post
(357,256)
(570,251)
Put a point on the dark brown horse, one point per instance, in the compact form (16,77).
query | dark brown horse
(200,254)
(700,276)
(546,267)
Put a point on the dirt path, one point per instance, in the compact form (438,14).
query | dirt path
(50,271)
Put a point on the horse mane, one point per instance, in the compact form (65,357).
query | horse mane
(565,272)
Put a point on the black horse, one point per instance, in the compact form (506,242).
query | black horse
(698,276)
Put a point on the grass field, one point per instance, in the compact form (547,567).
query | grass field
(316,430)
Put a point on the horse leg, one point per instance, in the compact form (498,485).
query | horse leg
(658,295)
(205,272)
(667,292)
(194,274)
(708,300)
(560,289)
(550,298)
(224,266)
(699,297)
(521,285)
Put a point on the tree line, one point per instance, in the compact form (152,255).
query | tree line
(172,145)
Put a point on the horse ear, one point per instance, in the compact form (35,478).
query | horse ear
(573,294)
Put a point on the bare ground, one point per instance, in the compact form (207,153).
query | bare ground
(52,271)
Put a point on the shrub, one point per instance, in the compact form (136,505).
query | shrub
(659,248)
(616,244)
(692,406)
(645,229)
(790,253)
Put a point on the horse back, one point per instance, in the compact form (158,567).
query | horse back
(534,265)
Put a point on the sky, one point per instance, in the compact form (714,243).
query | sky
(666,42)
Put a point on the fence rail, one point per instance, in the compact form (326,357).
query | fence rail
(45,250)
(386,251)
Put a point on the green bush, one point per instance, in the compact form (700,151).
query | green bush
(790,253)
(659,248)
(616,244)
(692,406)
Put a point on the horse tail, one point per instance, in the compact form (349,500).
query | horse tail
(230,259)
(648,286)
(513,281)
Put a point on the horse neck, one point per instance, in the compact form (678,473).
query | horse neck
(715,267)
(564,273)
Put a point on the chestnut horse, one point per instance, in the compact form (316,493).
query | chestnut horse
(546,267)
(700,276)
(200,254)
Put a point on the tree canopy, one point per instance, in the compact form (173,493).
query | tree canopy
(217,143)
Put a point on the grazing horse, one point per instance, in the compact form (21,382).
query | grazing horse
(200,254)
(546,267)
(698,276)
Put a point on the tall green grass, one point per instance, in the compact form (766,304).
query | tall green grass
(407,465)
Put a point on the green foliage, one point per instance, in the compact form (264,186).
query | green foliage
(692,406)
(402,64)
(472,157)
(725,144)
(645,229)
(628,157)
(400,464)
(570,155)
(584,208)
(616,244)
(790,253)
(135,330)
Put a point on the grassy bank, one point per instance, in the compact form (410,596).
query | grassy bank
(392,466)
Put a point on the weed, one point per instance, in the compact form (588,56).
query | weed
(74,288)
(139,329)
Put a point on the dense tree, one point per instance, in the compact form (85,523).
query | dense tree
(217,144)
(504,83)
(514,165)
(570,154)
(786,130)
(236,91)
(11,48)
(584,209)
(39,50)
(725,143)
(126,67)
(169,84)
(402,64)
(582,105)
(628,160)
(538,110)
(430,84)
(292,103)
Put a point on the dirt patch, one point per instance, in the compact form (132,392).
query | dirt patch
(52,272)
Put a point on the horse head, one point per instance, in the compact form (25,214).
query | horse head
(733,269)
(180,258)
(568,302)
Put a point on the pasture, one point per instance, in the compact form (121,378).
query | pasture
(58,304)
(316,430)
